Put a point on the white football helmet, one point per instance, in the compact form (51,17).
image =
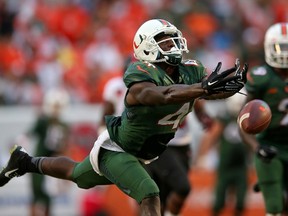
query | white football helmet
(147,49)
(276,45)
(54,101)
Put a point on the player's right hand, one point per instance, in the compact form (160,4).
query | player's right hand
(266,153)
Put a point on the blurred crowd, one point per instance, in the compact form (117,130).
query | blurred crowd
(77,45)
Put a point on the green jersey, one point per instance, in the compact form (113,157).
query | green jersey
(263,83)
(51,134)
(142,130)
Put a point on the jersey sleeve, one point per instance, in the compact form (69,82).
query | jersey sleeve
(257,81)
(138,72)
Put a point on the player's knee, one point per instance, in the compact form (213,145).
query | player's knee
(82,179)
(147,189)
(82,183)
(82,186)
(274,208)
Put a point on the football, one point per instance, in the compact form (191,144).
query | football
(254,117)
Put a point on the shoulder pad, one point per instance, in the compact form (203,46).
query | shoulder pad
(192,62)
(140,66)
(258,76)
(139,72)
(258,79)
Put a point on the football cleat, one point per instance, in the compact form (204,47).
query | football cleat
(14,168)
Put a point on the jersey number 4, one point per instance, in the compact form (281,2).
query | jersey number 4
(175,118)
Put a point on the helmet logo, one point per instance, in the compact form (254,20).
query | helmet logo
(284,29)
(135,45)
(164,22)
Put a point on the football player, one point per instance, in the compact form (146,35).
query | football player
(269,82)
(232,167)
(161,92)
(174,161)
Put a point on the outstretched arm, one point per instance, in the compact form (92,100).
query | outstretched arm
(216,86)
(149,94)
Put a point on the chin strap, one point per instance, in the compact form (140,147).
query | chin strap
(173,59)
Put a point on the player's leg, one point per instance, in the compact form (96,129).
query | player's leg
(270,182)
(59,167)
(128,174)
(80,173)
(41,200)
(85,176)
(19,164)
(150,168)
(179,168)
(171,176)
(221,186)
(241,190)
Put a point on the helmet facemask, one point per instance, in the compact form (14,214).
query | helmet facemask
(277,55)
(276,45)
(174,55)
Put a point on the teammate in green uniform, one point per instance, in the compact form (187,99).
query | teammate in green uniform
(51,133)
(161,92)
(232,167)
(270,83)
